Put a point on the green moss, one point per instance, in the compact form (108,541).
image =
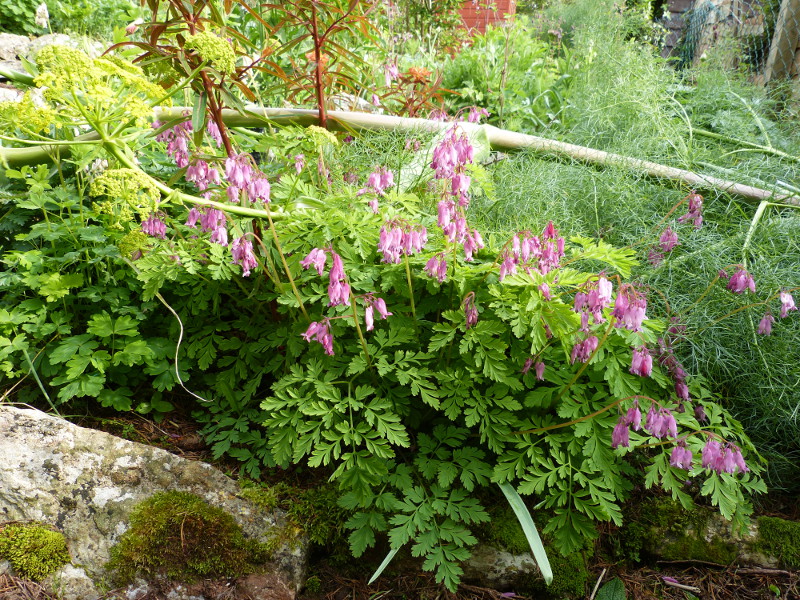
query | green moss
(33,550)
(504,531)
(569,572)
(179,536)
(780,538)
(315,511)
(674,533)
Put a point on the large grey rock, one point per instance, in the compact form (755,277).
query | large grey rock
(91,47)
(86,482)
(12,48)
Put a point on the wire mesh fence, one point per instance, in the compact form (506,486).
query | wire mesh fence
(760,37)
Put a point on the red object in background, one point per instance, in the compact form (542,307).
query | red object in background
(477,15)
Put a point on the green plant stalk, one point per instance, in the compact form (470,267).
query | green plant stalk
(564,390)
(286,266)
(39,381)
(359,332)
(581,419)
(751,145)
(170,193)
(410,289)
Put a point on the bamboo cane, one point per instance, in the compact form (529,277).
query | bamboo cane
(499,139)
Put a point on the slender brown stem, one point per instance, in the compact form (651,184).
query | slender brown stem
(580,419)
(564,390)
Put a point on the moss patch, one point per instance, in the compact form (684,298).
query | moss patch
(570,573)
(33,550)
(179,536)
(674,533)
(780,538)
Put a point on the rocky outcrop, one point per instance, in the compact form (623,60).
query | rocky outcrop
(86,482)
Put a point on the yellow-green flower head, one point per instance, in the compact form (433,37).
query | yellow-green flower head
(320,136)
(133,241)
(101,81)
(130,186)
(214,49)
(27,115)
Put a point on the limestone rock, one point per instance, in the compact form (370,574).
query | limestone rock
(86,482)
(491,567)
(12,47)
(90,47)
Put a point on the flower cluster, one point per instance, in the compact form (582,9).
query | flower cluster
(378,182)
(398,238)
(694,212)
(723,459)
(631,419)
(373,303)
(641,362)
(681,456)
(533,253)
(338,288)
(242,251)
(202,175)
(787,304)
(667,359)
(212,220)
(214,133)
(320,332)
(243,176)
(538,368)
(470,310)
(740,281)
(437,267)
(177,139)
(630,307)
(475,114)
(154,226)
(666,242)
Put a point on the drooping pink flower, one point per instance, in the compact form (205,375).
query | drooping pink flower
(390,73)
(681,456)
(741,281)
(320,332)
(193,216)
(317,258)
(375,100)
(634,416)
(787,304)
(374,304)
(213,132)
(642,362)
(694,212)
(475,114)
(765,325)
(437,267)
(299,162)
(545,290)
(539,368)
(220,235)
(177,139)
(668,240)
(661,423)
(629,308)
(700,413)
(258,188)
(527,366)
(239,170)
(242,251)
(202,174)
(378,182)
(399,237)
(582,351)
(470,310)
(338,288)
(211,219)
(154,226)
(621,435)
